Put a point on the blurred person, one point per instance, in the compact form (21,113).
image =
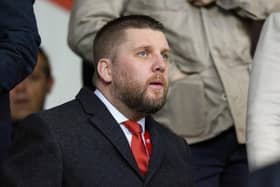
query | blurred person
(107,137)
(29,95)
(263,128)
(87,74)
(19,41)
(209,73)
(267,175)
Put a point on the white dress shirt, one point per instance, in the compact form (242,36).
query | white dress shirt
(119,117)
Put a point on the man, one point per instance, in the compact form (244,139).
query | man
(263,128)
(19,41)
(107,137)
(29,95)
(209,73)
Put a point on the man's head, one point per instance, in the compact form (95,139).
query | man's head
(29,95)
(131,61)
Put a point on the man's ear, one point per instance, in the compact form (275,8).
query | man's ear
(104,69)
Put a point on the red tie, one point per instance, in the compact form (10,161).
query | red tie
(137,146)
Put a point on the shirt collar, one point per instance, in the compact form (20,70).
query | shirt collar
(117,115)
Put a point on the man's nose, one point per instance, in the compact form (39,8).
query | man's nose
(159,64)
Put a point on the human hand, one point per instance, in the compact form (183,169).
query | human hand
(202,2)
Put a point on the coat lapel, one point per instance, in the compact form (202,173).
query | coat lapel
(157,155)
(106,124)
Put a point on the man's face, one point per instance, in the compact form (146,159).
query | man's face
(29,95)
(140,70)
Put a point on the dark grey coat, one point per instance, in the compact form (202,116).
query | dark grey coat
(79,144)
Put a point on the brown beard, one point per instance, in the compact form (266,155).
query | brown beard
(135,96)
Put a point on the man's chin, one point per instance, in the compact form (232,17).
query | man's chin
(156,94)
(154,104)
(20,116)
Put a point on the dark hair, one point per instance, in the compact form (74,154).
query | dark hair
(112,33)
(46,63)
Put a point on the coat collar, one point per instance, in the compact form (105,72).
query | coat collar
(103,121)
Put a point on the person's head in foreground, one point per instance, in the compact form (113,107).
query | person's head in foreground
(29,95)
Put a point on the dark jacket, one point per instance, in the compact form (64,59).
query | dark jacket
(19,41)
(80,144)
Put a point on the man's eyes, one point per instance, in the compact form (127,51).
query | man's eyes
(165,56)
(143,53)
(33,77)
(146,53)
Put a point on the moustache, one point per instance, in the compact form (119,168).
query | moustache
(158,79)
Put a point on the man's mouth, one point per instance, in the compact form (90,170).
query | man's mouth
(157,84)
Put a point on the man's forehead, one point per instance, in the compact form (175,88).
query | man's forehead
(146,37)
(141,31)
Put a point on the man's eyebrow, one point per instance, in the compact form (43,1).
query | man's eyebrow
(168,50)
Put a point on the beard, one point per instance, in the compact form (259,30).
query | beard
(136,95)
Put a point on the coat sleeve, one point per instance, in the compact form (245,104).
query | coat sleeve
(19,41)
(263,117)
(253,9)
(87,17)
(35,157)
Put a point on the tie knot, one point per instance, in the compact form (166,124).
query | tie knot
(133,127)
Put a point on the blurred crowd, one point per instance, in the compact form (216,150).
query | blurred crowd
(217,59)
